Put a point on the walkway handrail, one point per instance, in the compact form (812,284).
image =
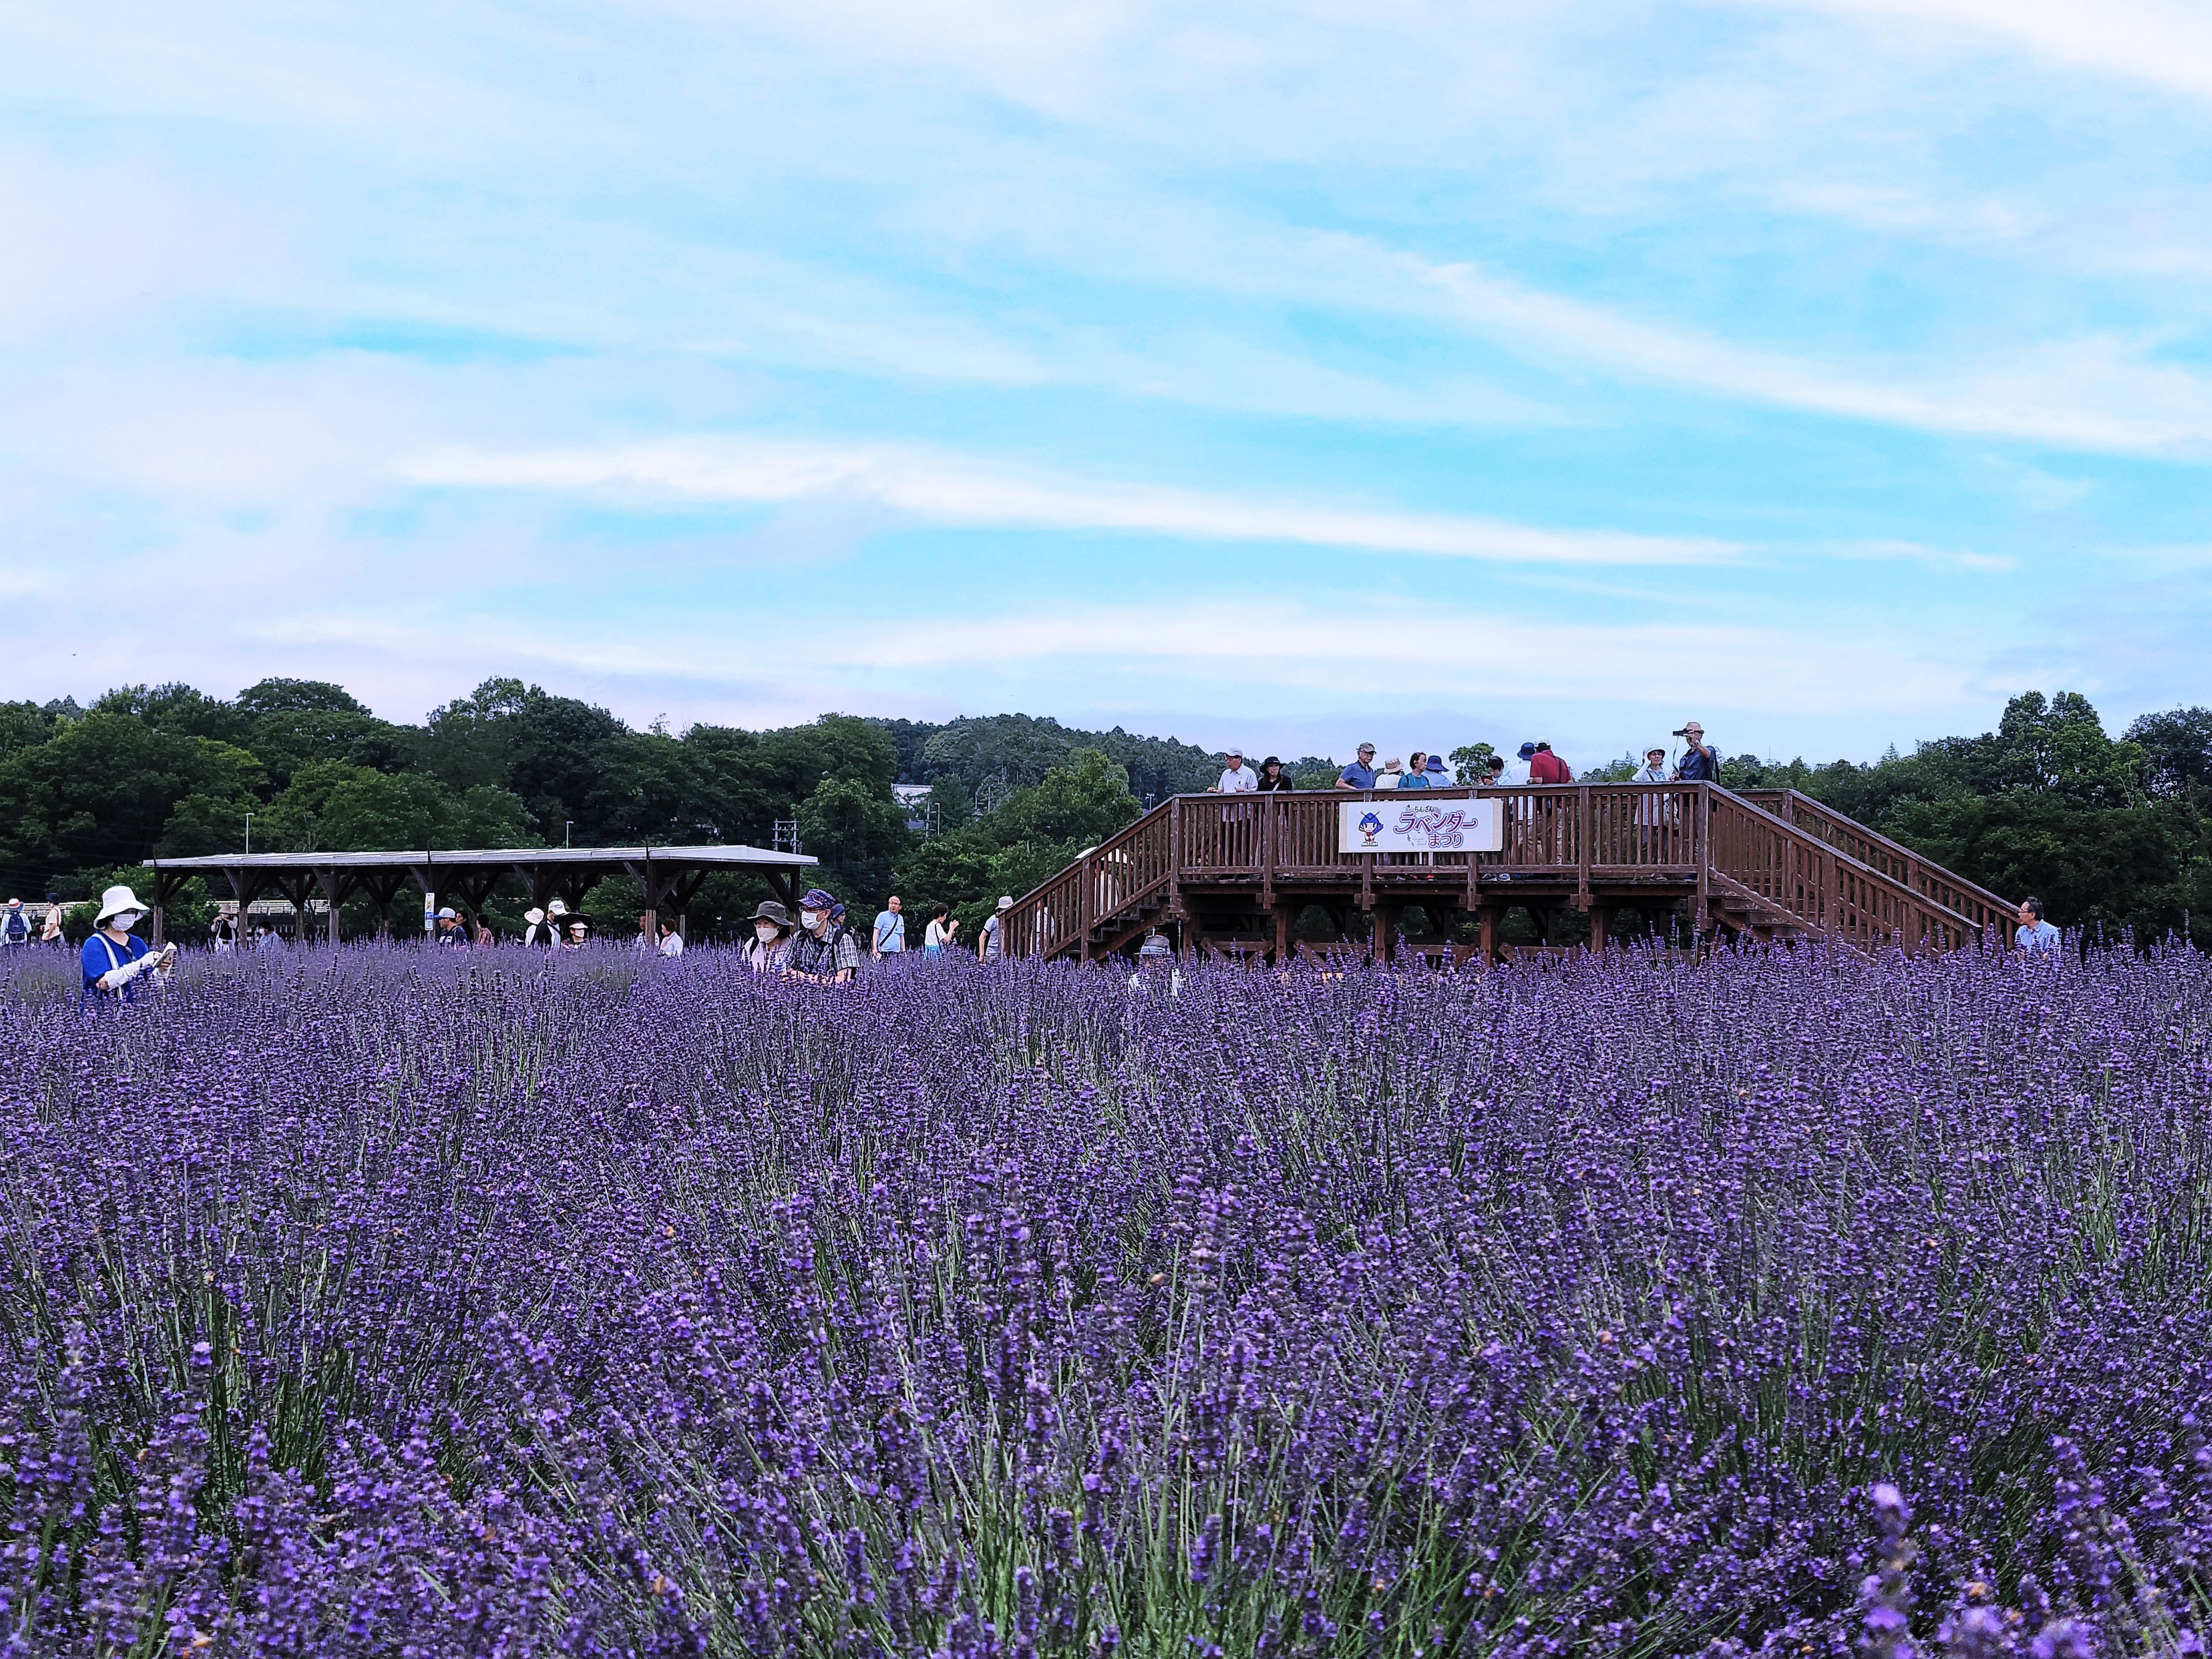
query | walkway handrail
(1955,892)
(1824,888)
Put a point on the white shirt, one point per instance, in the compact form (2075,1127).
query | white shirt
(934,936)
(1516,771)
(673,945)
(1242,781)
(1652,774)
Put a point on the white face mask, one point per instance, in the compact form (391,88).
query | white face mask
(767,932)
(810,919)
(124,920)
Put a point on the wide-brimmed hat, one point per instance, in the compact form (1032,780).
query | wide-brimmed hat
(533,916)
(116,900)
(769,910)
(1527,749)
(558,908)
(1005,902)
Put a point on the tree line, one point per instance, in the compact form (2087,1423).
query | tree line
(2114,833)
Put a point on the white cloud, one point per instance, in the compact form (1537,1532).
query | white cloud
(2159,41)
(947,488)
(2094,394)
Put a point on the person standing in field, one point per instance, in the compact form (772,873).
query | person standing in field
(889,938)
(114,957)
(2035,937)
(824,952)
(51,932)
(672,942)
(769,947)
(940,933)
(449,928)
(15,926)
(990,944)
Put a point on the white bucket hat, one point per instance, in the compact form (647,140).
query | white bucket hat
(116,900)
(1006,902)
(533,916)
(558,908)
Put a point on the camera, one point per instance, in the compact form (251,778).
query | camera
(1680,732)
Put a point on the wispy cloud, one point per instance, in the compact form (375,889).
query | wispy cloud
(947,489)
(2095,394)
(2168,44)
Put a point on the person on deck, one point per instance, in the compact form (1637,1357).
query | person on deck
(114,957)
(824,952)
(1360,775)
(1545,767)
(1416,775)
(1518,770)
(1236,778)
(1494,769)
(1653,770)
(1699,764)
(769,947)
(1438,777)
(1272,777)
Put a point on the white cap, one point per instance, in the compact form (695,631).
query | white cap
(116,900)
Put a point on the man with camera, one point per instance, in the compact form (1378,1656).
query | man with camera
(1699,764)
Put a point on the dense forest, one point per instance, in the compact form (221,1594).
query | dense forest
(2115,834)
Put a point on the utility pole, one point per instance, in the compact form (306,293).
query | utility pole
(249,832)
(567,824)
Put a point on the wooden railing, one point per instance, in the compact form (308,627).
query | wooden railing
(1813,883)
(1608,834)
(1894,859)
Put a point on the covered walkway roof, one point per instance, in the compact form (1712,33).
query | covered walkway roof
(668,875)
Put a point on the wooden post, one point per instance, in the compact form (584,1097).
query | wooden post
(1286,915)
(1600,920)
(1490,916)
(1385,923)
(1585,824)
(1084,902)
(332,897)
(1702,829)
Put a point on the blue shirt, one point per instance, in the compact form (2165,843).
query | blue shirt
(2042,940)
(891,931)
(1695,767)
(1358,776)
(103,955)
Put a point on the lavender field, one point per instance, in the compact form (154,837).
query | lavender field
(393,1303)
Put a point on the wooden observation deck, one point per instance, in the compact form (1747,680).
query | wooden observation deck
(1229,874)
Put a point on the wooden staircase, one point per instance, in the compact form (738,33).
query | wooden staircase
(1766,865)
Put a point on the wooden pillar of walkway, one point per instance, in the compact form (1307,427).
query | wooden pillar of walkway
(1489,916)
(1286,917)
(1385,916)
(1600,923)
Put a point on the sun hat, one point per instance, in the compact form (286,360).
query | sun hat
(769,910)
(816,899)
(558,908)
(1656,748)
(1005,902)
(1527,749)
(533,916)
(1436,762)
(116,900)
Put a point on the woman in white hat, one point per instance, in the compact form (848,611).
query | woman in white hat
(536,918)
(115,956)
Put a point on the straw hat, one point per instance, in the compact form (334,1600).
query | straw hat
(116,900)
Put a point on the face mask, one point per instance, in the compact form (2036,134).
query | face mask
(810,919)
(124,920)
(767,932)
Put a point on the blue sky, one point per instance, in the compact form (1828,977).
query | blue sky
(1279,374)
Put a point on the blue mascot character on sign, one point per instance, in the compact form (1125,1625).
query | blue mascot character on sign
(1370,827)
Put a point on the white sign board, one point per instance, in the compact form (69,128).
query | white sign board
(1416,825)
